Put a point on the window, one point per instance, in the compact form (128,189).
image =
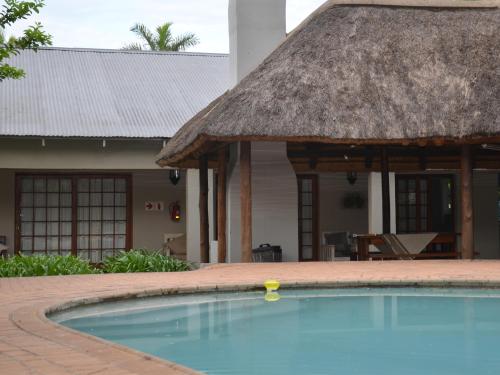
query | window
(82,215)
(45,215)
(412,204)
(426,203)
(308,217)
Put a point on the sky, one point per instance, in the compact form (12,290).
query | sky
(106,23)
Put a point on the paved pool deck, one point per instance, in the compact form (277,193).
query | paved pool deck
(32,344)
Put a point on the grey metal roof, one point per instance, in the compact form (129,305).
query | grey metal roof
(108,93)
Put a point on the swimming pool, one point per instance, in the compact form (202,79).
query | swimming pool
(345,331)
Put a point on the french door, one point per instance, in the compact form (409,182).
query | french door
(426,203)
(308,217)
(84,215)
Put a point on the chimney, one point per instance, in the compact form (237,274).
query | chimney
(256,27)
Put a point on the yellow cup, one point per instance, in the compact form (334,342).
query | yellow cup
(272,285)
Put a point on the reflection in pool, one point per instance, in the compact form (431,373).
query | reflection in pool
(350,331)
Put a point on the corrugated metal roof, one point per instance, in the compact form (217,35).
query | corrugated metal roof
(108,93)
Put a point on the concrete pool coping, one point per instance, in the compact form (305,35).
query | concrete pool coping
(31,343)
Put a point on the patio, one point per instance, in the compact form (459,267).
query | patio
(29,343)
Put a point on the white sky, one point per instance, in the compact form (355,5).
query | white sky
(106,23)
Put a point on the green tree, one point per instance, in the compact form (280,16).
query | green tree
(162,40)
(32,38)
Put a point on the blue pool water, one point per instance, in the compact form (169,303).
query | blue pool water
(361,331)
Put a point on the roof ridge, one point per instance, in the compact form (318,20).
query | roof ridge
(123,51)
(453,4)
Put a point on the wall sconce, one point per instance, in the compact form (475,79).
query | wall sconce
(175,211)
(352,177)
(175,176)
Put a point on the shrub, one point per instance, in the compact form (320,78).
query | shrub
(143,261)
(44,265)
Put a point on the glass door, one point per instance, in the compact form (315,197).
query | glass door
(426,203)
(308,217)
(44,213)
(84,215)
(101,217)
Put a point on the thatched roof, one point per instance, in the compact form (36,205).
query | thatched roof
(365,74)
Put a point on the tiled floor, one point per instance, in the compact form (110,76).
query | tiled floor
(31,344)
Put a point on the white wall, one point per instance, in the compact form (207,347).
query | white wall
(193,212)
(333,216)
(256,27)
(149,227)
(274,202)
(375,218)
(81,154)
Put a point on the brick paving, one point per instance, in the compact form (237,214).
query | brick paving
(32,344)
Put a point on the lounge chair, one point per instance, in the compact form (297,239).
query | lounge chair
(405,246)
(393,246)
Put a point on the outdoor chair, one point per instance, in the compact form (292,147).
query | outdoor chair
(336,246)
(175,245)
(405,246)
(393,246)
(267,253)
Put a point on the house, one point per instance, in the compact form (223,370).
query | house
(78,139)
(368,119)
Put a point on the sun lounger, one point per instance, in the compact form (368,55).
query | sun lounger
(405,246)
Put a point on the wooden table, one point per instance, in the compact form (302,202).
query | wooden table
(365,240)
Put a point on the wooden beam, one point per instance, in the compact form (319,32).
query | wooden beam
(386,194)
(204,234)
(221,206)
(467,203)
(246,201)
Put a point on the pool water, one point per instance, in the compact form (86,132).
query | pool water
(351,331)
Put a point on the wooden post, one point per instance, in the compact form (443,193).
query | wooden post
(246,201)
(204,238)
(221,206)
(386,194)
(467,203)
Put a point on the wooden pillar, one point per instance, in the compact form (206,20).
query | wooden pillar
(221,206)
(386,193)
(467,203)
(204,237)
(246,201)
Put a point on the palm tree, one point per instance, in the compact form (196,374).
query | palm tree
(163,40)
